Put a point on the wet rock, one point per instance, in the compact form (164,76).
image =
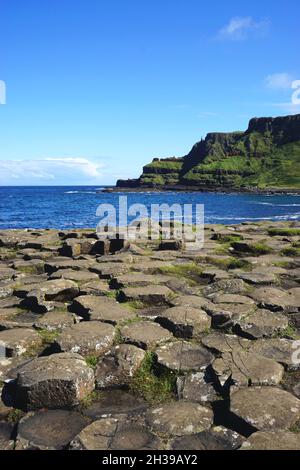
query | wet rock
(272,440)
(184,356)
(86,338)
(185,322)
(18,341)
(48,430)
(266,408)
(116,403)
(148,294)
(180,418)
(102,308)
(145,334)
(118,366)
(196,387)
(56,381)
(242,369)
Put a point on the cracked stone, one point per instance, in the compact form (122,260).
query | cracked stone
(266,408)
(243,369)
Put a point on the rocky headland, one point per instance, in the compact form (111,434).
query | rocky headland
(264,158)
(107,345)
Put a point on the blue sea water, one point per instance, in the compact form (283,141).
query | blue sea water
(67,207)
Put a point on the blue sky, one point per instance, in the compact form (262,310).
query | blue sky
(95,89)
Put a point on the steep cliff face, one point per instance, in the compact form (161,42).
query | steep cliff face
(266,155)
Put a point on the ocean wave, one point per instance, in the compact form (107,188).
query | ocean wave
(273,204)
(80,192)
(274,217)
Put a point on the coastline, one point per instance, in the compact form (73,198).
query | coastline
(193,189)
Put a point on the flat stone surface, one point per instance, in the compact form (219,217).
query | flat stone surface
(56,381)
(180,418)
(77,276)
(185,322)
(86,338)
(216,438)
(55,320)
(195,387)
(52,429)
(145,334)
(281,350)
(222,343)
(116,403)
(193,301)
(228,286)
(18,341)
(118,366)
(272,440)
(136,279)
(102,308)
(132,436)
(184,356)
(242,369)
(148,294)
(61,290)
(96,436)
(266,408)
(276,299)
(259,278)
(262,323)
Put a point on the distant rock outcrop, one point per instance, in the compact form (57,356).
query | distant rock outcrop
(266,155)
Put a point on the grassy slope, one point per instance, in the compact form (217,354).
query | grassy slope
(253,160)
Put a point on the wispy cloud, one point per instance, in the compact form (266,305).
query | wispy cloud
(52,170)
(241,27)
(207,114)
(279,81)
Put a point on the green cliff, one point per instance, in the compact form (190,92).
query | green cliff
(266,155)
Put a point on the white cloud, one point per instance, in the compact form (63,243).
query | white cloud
(240,28)
(279,81)
(53,170)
